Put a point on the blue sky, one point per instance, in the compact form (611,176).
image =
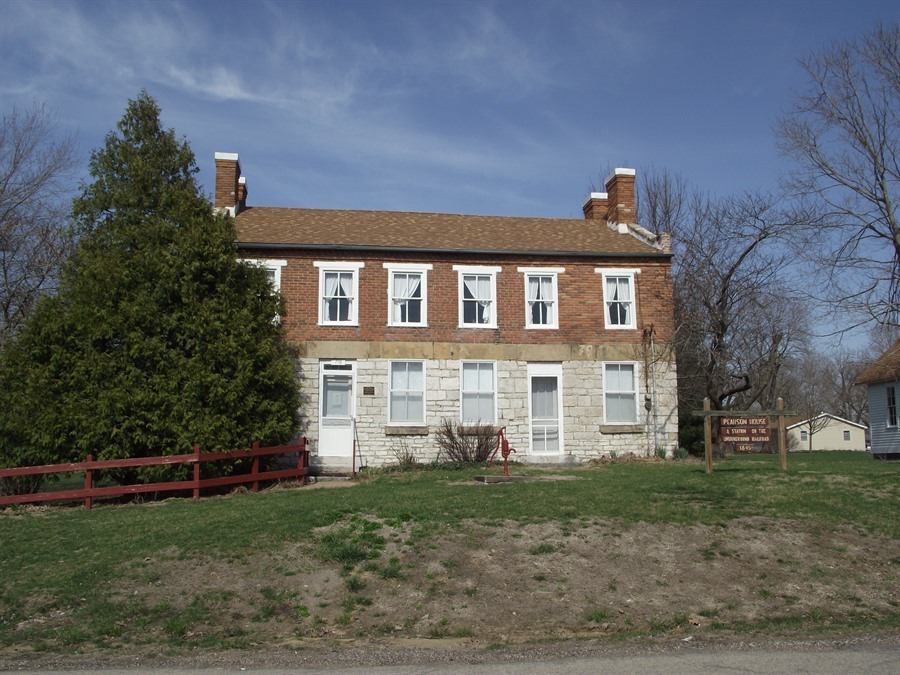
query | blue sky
(509,108)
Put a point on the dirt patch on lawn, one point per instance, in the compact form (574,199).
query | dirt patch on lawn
(511,583)
(389,585)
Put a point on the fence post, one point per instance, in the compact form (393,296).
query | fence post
(254,470)
(196,472)
(88,483)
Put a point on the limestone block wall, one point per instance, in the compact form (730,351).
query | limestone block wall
(585,435)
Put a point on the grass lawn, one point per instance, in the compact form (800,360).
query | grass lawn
(58,562)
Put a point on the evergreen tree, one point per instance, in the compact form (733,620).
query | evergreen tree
(159,337)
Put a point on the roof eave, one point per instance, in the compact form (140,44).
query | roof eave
(419,249)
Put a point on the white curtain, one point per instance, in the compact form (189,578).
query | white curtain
(479,290)
(540,298)
(618,290)
(332,282)
(544,398)
(407,287)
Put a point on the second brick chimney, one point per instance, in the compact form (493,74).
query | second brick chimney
(231,188)
(616,205)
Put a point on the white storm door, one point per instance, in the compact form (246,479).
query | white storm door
(336,408)
(545,408)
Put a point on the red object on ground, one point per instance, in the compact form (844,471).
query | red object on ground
(504,447)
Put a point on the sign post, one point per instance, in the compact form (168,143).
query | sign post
(707,435)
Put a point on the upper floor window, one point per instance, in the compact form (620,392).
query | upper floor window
(272,268)
(541,296)
(273,273)
(339,292)
(891,407)
(477,296)
(406,399)
(619,309)
(620,393)
(407,294)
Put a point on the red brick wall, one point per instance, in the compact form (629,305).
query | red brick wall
(620,191)
(227,173)
(579,299)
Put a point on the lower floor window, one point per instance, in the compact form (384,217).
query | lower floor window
(620,393)
(407,392)
(478,393)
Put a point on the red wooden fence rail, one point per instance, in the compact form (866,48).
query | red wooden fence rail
(195,484)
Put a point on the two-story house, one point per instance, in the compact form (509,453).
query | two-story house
(558,329)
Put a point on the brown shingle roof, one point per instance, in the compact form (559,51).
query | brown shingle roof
(293,227)
(886,367)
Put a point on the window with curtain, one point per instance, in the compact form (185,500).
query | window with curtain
(477,299)
(541,297)
(338,297)
(619,311)
(406,298)
(620,393)
(478,393)
(406,399)
(618,301)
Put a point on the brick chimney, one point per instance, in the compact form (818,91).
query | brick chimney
(620,191)
(231,190)
(596,206)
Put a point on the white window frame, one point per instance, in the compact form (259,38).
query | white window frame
(390,393)
(269,264)
(273,265)
(408,268)
(463,391)
(479,270)
(339,267)
(846,435)
(890,408)
(636,381)
(804,436)
(553,273)
(630,274)
(546,370)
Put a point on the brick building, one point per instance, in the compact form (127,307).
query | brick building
(557,329)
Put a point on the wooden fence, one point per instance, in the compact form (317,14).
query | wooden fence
(195,484)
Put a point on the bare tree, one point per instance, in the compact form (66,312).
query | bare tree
(810,390)
(662,201)
(844,133)
(736,318)
(36,167)
(849,400)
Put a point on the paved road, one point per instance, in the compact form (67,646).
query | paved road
(869,659)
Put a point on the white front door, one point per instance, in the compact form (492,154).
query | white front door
(336,408)
(545,408)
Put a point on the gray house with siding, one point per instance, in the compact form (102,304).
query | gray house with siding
(882,381)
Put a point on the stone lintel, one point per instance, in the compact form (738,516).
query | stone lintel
(324,349)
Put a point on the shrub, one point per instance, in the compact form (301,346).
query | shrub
(467,444)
